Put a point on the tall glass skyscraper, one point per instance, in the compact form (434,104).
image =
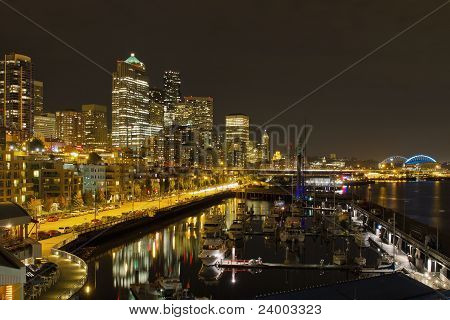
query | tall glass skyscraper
(17,95)
(130,105)
(38,97)
(172,95)
(95,128)
(202,109)
(237,136)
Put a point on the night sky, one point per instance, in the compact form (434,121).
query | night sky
(258,57)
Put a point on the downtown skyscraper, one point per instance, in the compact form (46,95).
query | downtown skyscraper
(237,136)
(202,109)
(172,95)
(17,95)
(130,105)
(95,128)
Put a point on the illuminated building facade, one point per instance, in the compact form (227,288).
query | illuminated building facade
(156,111)
(183,114)
(69,127)
(52,179)
(202,109)
(95,128)
(237,130)
(130,105)
(172,95)
(38,97)
(16,95)
(264,149)
(45,126)
(13,183)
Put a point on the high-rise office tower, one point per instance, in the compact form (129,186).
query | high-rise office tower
(69,127)
(156,109)
(95,128)
(265,149)
(156,95)
(130,105)
(38,97)
(172,95)
(183,114)
(16,95)
(45,126)
(202,109)
(237,131)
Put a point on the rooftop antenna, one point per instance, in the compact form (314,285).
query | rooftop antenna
(301,162)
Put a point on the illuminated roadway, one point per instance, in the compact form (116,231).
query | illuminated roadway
(138,205)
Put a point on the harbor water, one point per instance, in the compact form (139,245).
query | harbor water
(172,252)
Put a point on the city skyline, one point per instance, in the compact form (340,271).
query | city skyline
(367,99)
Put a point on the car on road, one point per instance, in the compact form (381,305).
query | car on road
(42,220)
(96,222)
(65,229)
(42,235)
(52,219)
(54,233)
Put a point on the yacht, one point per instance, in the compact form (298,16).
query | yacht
(361,239)
(161,288)
(242,211)
(242,208)
(213,251)
(360,261)
(236,230)
(339,257)
(213,226)
(292,222)
(296,210)
(277,210)
(269,226)
(210,275)
(169,285)
(292,234)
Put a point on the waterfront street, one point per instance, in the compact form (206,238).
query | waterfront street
(129,206)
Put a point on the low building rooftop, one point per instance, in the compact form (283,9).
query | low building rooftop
(397,286)
(11,214)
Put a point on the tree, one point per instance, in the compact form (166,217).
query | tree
(36,145)
(62,202)
(137,190)
(94,158)
(100,197)
(76,200)
(88,198)
(48,204)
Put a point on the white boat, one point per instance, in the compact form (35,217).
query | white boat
(242,208)
(296,210)
(210,274)
(169,285)
(292,234)
(360,261)
(269,226)
(274,215)
(277,210)
(361,239)
(213,251)
(339,257)
(292,222)
(236,230)
(213,225)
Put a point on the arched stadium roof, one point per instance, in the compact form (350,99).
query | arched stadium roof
(394,160)
(419,159)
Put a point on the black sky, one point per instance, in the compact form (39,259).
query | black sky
(258,57)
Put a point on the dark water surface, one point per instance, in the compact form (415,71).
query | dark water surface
(425,201)
(172,251)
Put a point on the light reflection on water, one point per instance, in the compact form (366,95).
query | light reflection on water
(172,251)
